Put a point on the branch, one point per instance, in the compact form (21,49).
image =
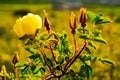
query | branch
(72,60)
(54,76)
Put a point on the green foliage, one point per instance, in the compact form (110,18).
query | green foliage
(98,19)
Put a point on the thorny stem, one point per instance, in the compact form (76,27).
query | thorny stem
(52,53)
(71,61)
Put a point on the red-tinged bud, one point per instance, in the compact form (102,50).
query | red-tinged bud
(55,36)
(73,24)
(72,21)
(47,22)
(82,18)
(15,58)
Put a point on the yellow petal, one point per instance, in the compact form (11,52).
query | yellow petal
(18,28)
(30,23)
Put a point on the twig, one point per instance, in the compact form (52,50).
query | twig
(52,53)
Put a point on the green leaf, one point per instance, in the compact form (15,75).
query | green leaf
(29,42)
(81,73)
(36,70)
(103,20)
(65,35)
(84,36)
(99,19)
(19,64)
(67,58)
(37,31)
(90,43)
(80,30)
(91,15)
(100,39)
(89,71)
(33,67)
(60,59)
(97,33)
(59,35)
(83,57)
(42,70)
(107,61)
(87,50)
(49,36)
(58,67)
(34,56)
(94,59)
(86,57)
(29,70)
(49,61)
(24,71)
(71,73)
(26,37)
(31,50)
(53,40)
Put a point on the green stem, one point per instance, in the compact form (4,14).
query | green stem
(75,43)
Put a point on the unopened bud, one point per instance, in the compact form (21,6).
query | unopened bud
(82,17)
(72,23)
(3,69)
(55,36)
(47,22)
(15,58)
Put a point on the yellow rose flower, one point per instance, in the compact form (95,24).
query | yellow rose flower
(28,24)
